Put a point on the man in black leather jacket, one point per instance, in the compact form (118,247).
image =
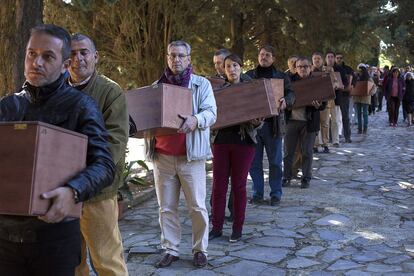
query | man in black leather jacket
(270,136)
(50,244)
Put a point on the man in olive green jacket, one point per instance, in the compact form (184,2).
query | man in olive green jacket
(99,221)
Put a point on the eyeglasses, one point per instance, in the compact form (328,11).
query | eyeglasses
(174,56)
(303,66)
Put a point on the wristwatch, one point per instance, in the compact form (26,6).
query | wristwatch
(75,195)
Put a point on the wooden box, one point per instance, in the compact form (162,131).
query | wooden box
(362,88)
(245,101)
(313,89)
(155,108)
(36,158)
(334,76)
(216,82)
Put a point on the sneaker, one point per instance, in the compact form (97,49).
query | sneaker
(286,183)
(235,237)
(256,200)
(348,140)
(365,131)
(325,149)
(214,234)
(274,201)
(304,184)
(336,145)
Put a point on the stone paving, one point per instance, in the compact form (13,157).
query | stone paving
(357,218)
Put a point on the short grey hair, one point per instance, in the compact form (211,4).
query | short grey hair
(79,37)
(180,43)
(222,52)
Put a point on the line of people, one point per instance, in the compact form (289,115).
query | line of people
(305,130)
(89,103)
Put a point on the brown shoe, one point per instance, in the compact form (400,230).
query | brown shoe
(199,260)
(167,260)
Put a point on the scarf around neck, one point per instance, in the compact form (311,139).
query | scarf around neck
(182,79)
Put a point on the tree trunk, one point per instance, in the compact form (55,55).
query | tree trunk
(237,24)
(17,17)
(28,15)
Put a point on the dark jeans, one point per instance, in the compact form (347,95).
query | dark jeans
(380,96)
(56,251)
(393,109)
(362,112)
(296,133)
(374,104)
(345,116)
(273,147)
(230,160)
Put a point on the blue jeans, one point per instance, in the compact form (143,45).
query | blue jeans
(362,110)
(273,148)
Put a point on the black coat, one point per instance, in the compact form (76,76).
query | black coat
(61,105)
(409,91)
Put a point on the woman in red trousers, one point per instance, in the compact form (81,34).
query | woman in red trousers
(233,151)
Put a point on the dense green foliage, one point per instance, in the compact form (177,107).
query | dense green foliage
(131,36)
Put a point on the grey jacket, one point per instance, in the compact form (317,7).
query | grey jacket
(205,110)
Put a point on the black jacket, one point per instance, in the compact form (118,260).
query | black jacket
(409,91)
(279,122)
(61,105)
(313,118)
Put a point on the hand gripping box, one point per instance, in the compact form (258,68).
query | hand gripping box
(245,101)
(35,158)
(155,108)
(318,88)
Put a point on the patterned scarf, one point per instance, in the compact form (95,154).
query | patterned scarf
(182,79)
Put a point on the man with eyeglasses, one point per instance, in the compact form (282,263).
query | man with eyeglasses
(302,125)
(179,160)
(270,136)
(347,75)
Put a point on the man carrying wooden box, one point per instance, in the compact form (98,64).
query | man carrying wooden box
(179,159)
(50,244)
(303,123)
(269,137)
(99,221)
